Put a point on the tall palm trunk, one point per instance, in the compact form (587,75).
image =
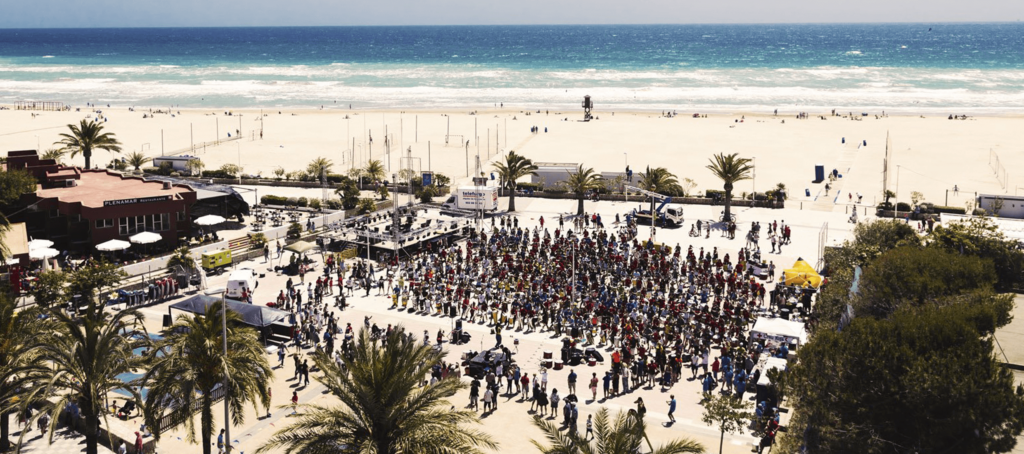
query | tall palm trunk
(87,154)
(512,200)
(579,207)
(207,423)
(92,429)
(728,202)
(5,431)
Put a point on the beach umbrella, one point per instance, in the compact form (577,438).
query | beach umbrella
(39,244)
(299,247)
(145,238)
(113,245)
(210,219)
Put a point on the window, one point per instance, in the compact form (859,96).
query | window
(181,216)
(144,223)
(104,223)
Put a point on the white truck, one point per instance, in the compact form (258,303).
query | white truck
(473,198)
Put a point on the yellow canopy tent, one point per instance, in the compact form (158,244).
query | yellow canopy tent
(801,273)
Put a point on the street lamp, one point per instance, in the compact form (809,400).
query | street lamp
(224,333)
(753,184)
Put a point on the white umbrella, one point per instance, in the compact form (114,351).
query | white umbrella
(43,253)
(145,238)
(39,244)
(113,245)
(210,219)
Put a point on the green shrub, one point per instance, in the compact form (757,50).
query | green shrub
(441,179)
(294,230)
(902,206)
(217,173)
(366,205)
(334,204)
(302,202)
(951,210)
(556,190)
(426,195)
(273,200)
(314,204)
(711,193)
(530,186)
(979,212)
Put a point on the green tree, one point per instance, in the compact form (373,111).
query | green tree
(193,365)
(232,170)
(730,168)
(14,183)
(319,168)
(22,336)
(580,182)
(659,180)
(980,237)
(55,154)
(279,172)
(137,160)
(384,409)
(728,413)
(510,171)
(49,288)
(182,257)
(86,137)
(195,166)
(374,170)
(625,435)
(348,191)
(383,192)
(914,275)
(924,380)
(89,352)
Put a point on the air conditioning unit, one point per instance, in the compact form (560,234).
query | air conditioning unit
(167,185)
(70,183)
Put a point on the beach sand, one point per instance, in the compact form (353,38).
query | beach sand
(933,154)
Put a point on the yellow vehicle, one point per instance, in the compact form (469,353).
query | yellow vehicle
(216,259)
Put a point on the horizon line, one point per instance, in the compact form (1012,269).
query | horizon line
(521,25)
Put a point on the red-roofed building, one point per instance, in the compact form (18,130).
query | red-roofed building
(80,208)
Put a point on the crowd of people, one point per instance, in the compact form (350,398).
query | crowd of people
(658,309)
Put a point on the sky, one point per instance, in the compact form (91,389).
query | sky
(228,13)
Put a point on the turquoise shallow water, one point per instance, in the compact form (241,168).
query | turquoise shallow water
(916,67)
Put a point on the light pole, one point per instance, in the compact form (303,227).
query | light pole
(753,179)
(224,334)
(37,142)
(239,143)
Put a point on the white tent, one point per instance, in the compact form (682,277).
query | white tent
(210,219)
(39,244)
(769,364)
(779,330)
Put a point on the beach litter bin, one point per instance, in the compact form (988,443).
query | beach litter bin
(807,192)
(819,173)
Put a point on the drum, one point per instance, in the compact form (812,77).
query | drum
(547,354)
(591,362)
(546,363)
(558,365)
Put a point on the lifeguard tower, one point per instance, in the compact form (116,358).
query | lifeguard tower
(588,105)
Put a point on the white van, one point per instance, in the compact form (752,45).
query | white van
(241,279)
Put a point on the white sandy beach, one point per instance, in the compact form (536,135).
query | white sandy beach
(933,154)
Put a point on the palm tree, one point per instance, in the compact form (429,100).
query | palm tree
(21,339)
(374,170)
(182,257)
(87,136)
(319,168)
(730,169)
(581,182)
(659,180)
(137,160)
(54,154)
(89,352)
(623,436)
(383,409)
(510,171)
(193,366)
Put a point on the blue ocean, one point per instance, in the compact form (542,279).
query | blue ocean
(966,68)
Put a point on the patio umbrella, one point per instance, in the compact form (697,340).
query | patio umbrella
(145,238)
(39,244)
(299,247)
(210,219)
(113,245)
(43,253)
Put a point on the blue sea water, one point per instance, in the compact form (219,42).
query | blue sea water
(909,67)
